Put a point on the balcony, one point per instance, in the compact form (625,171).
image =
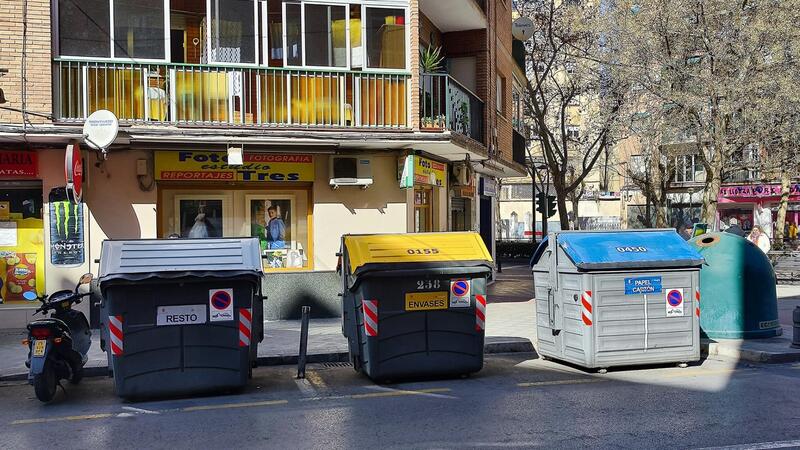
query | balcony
(211,95)
(445,104)
(455,15)
(744,176)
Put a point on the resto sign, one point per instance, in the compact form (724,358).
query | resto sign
(213,166)
(18,165)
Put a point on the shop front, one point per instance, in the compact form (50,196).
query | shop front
(22,240)
(757,204)
(427,179)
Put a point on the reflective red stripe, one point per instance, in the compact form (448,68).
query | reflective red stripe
(697,307)
(586,312)
(370,308)
(480,312)
(245,325)
(115,334)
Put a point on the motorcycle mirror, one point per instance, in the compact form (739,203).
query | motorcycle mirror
(29,295)
(86,278)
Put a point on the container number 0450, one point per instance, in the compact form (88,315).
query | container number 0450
(428,284)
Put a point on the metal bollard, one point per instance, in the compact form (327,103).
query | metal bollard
(301,360)
(796,334)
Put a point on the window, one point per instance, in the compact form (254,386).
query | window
(500,94)
(386,38)
(277,217)
(232,31)
(139,29)
(83,28)
(22,264)
(688,169)
(423,212)
(573,132)
(294,39)
(518,108)
(325,31)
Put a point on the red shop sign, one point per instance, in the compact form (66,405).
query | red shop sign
(73,172)
(19,164)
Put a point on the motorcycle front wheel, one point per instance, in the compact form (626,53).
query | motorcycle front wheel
(45,384)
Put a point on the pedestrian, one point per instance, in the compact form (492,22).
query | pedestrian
(686,230)
(792,231)
(758,237)
(734,228)
(763,218)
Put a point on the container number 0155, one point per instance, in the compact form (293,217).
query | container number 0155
(422,251)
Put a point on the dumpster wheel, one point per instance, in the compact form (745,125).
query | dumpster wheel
(356,363)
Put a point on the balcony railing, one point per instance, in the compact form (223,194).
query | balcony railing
(743,176)
(445,104)
(186,94)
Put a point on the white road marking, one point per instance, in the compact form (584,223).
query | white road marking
(140,410)
(404,391)
(758,445)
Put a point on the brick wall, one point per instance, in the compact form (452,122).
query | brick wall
(38,58)
(415,24)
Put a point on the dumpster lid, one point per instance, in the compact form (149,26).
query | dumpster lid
(628,249)
(415,248)
(140,259)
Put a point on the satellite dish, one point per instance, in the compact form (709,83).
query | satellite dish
(522,29)
(100,129)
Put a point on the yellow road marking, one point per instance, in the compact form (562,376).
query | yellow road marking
(235,405)
(399,393)
(559,382)
(315,379)
(61,419)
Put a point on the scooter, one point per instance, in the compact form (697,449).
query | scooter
(58,345)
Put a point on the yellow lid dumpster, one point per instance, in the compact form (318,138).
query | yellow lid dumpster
(414,304)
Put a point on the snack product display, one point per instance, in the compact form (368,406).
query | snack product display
(20,276)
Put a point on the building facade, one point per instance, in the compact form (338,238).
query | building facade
(337,128)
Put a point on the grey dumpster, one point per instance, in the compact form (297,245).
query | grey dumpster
(614,298)
(414,305)
(180,315)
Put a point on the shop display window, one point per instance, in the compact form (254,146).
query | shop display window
(22,256)
(279,219)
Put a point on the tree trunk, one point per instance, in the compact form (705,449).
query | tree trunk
(561,204)
(786,185)
(575,200)
(710,198)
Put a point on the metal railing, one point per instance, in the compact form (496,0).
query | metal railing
(230,96)
(446,104)
(743,176)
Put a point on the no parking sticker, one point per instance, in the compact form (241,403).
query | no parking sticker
(674,302)
(459,294)
(220,304)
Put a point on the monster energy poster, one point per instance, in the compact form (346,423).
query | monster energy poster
(66,233)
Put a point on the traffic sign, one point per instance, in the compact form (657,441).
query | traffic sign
(674,302)
(220,304)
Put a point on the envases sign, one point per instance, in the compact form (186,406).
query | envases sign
(213,166)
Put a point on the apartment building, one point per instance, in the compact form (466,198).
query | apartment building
(292,121)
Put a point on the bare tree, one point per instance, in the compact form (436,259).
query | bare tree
(713,64)
(572,96)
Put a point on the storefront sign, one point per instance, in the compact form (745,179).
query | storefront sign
(757,190)
(213,166)
(66,233)
(18,164)
(488,187)
(73,172)
(414,169)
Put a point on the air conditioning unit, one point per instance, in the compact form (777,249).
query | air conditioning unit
(350,171)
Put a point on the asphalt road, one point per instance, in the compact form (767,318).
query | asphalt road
(516,401)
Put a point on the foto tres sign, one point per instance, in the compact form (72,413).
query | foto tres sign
(213,166)
(18,165)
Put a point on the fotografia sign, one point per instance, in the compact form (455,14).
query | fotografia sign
(213,166)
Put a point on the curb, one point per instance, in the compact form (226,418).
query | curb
(744,354)
(505,346)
